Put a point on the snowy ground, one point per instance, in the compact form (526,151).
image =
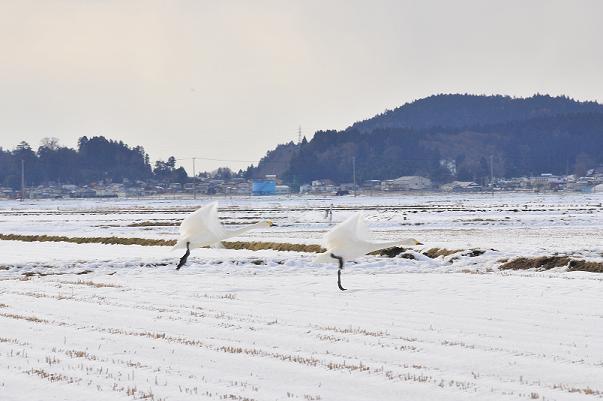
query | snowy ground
(109,322)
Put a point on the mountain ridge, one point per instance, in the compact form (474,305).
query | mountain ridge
(420,136)
(460,111)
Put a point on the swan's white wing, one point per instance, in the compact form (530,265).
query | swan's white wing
(203,222)
(217,245)
(197,219)
(346,233)
(362,231)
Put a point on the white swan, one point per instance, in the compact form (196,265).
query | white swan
(203,228)
(349,240)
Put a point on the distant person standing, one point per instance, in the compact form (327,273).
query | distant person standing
(329,213)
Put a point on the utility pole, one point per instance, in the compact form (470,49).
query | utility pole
(492,174)
(194,180)
(22,180)
(354,173)
(492,170)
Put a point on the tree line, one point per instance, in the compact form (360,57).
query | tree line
(95,159)
(562,144)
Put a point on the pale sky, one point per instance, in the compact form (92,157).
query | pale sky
(231,79)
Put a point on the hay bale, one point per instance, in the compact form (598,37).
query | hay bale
(474,253)
(88,240)
(154,224)
(585,266)
(389,252)
(542,263)
(437,252)
(254,246)
(277,246)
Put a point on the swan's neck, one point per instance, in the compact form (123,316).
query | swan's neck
(381,245)
(243,230)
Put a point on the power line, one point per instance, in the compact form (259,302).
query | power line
(354,173)
(217,160)
(299,140)
(230,160)
(22,180)
(194,180)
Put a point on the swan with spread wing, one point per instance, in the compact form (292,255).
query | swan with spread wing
(203,228)
(349,240)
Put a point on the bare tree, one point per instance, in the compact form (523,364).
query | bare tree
(51,143)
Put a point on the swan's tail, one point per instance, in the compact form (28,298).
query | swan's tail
(324,257)
(180,244)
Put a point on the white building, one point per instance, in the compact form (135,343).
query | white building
(305,188)
(282,190)
(460,186)
(546,181)
(407,183)
(598,188)
(323,186)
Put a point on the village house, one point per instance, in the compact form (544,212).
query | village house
(407,183)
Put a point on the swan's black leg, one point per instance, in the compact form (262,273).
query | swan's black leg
(340,259)
(339,281)
(185,257)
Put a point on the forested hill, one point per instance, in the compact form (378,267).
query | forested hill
(472,110)
(453,137)
(95,159)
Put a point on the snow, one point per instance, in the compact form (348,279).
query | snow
(111,322)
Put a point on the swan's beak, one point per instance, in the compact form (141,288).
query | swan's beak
(271,224)
(420,243)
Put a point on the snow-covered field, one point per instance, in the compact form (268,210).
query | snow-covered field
(111,322)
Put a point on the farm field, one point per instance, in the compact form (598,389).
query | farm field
(116,322)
